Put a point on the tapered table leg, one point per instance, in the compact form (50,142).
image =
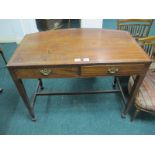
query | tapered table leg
(21,89)
(22,92)
(137,83)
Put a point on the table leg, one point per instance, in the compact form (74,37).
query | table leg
(114,82)
(21,89)
(22,92)
(137,83)
(41,84)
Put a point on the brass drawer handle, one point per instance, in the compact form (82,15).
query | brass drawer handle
(45,71)
(113,70)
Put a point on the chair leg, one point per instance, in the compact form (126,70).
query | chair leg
(135,114)
(41,84)
(114,82)
(1,52)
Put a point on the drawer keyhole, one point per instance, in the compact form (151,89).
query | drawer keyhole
(45,71)
(113,70)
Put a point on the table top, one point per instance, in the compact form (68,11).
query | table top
(77,46)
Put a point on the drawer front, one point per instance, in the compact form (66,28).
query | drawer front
(47,72)
(110,70)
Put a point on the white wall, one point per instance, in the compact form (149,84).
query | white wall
(91,23)
(28,25)
(13,30)
(10,30)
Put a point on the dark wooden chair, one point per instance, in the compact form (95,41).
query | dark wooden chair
(145,99)
(138,28)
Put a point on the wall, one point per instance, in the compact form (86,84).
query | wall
(91,23)
(28,26)
(109,24)
(13,30)
(10,30)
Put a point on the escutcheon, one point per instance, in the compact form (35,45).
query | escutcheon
(45,71)
(113,70)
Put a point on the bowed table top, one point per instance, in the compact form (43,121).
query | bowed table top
(77,46)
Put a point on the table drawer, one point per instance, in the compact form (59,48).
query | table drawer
(47,72)
(109,70)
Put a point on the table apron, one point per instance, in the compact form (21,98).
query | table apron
(79,71)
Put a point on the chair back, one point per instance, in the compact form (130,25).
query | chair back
(138,28)
(148,44)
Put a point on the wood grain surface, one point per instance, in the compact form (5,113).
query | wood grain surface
(65,46)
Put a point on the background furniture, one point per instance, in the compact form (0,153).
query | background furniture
(48,24)
(79,53)
(148,44)
(145,99)
(138,28)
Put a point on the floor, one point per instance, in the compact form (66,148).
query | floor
(83,114)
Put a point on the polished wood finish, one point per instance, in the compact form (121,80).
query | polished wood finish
(21,89)
(138,81)
(119,70)
(78,53)
(54,72)
(62,47)
(85,71)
